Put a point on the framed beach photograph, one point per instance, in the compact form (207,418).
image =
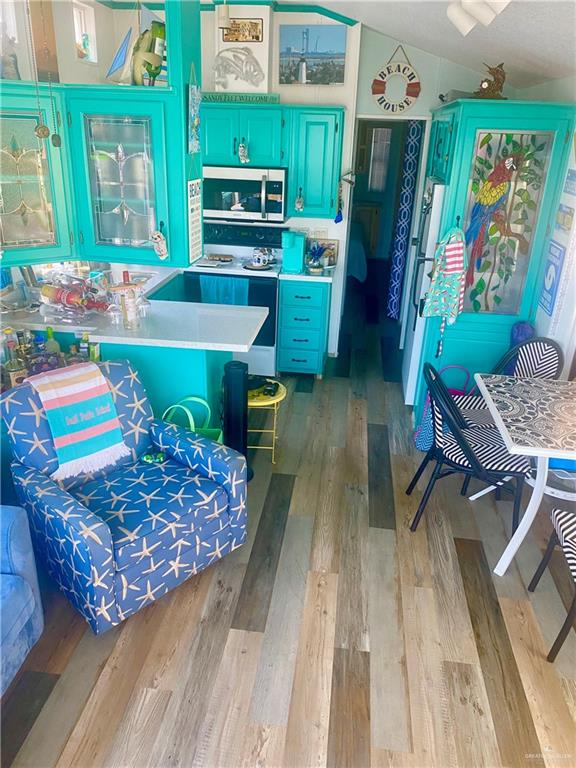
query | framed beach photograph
(312,54)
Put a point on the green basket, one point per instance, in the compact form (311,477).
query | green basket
(212,433)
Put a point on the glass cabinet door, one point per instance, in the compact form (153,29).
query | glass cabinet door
(121,175)
(32,208)
(121,178)
(509,174)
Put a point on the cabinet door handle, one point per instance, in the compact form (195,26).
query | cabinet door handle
(296,360)
(302,297)
(302,319)
(301,341)
(234,145)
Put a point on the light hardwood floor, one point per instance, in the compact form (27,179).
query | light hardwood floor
(334,637)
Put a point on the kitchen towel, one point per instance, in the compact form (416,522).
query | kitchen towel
(82,418)
(221,289)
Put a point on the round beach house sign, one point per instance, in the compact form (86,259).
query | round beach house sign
(394,100)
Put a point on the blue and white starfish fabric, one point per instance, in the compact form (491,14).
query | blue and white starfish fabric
(117,540)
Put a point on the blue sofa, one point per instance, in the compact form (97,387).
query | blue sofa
(21,607)
(116,540)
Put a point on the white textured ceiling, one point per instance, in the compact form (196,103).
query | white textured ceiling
(536,39)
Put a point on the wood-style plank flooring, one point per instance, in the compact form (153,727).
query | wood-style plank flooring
(334,637)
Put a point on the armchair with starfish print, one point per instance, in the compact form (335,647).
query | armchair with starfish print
(120,538)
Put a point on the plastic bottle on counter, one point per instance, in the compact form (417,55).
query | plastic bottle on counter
(15,367)
(52,346)
(39,343)
(84,347)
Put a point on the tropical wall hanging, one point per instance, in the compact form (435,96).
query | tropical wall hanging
(504,198)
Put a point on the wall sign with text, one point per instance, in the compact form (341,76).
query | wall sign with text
(552,274)
(380,85)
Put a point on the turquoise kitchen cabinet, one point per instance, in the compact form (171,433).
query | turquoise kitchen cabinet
(303,326)
(440,155)
(315,160)
(224,128)
(503,188)
(119,167)
(219,132)
(260,130)
(34,217)
(120,173)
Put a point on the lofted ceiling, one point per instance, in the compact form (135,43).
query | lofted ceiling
(536,39)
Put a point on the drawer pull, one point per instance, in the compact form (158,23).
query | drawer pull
(302,341)
(302,319)
(302,297)
(296,360)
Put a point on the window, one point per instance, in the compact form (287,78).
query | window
(379,154)
(85,32)
(8,26)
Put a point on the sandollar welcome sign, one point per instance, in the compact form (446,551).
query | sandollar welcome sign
(403,70)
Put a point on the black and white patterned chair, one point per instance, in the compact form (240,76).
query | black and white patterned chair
(564,533)
(538,358)
(472,451)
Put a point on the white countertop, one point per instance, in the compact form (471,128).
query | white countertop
(168,324)
(325,277)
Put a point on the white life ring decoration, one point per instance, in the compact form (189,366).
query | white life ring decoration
(412,90)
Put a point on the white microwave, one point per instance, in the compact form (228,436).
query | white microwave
(244,194)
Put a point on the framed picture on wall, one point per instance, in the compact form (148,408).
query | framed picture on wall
(244,31)
(312,54)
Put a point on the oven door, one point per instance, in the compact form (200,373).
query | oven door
(261,292)
(255,194)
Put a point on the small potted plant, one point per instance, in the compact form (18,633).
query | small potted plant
(314,260)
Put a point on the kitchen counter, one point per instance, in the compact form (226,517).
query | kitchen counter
(325,277)
(169,324)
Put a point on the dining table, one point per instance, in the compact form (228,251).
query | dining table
(536,418)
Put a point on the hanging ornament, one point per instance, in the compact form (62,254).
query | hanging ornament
(406,72)
(243,152)
(338,218)
(299,202)
(42,131)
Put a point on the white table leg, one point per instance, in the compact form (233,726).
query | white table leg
(527,518)
(489,489)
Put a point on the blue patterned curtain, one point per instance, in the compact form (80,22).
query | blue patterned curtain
(401,240)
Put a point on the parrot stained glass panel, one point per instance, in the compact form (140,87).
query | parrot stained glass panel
(505,190)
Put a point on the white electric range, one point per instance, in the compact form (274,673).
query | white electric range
(211,281)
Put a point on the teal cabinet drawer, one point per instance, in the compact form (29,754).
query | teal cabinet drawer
(300,361)
(299,338)
(302,294)
(301,318)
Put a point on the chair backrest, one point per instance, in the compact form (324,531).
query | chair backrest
(445,413)
(538,358)
(30,436)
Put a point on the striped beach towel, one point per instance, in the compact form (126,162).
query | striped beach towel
(82,418)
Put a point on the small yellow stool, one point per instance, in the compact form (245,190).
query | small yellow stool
(258,399)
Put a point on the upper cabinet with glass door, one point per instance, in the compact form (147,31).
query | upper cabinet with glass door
(85,42)
(119,167)
(33,207)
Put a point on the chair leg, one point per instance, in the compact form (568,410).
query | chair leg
(517,502)
(552,541)
(418,474)
(465,484)
(429,488)
(563,634)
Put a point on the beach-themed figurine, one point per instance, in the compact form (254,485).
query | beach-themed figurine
(159,244)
